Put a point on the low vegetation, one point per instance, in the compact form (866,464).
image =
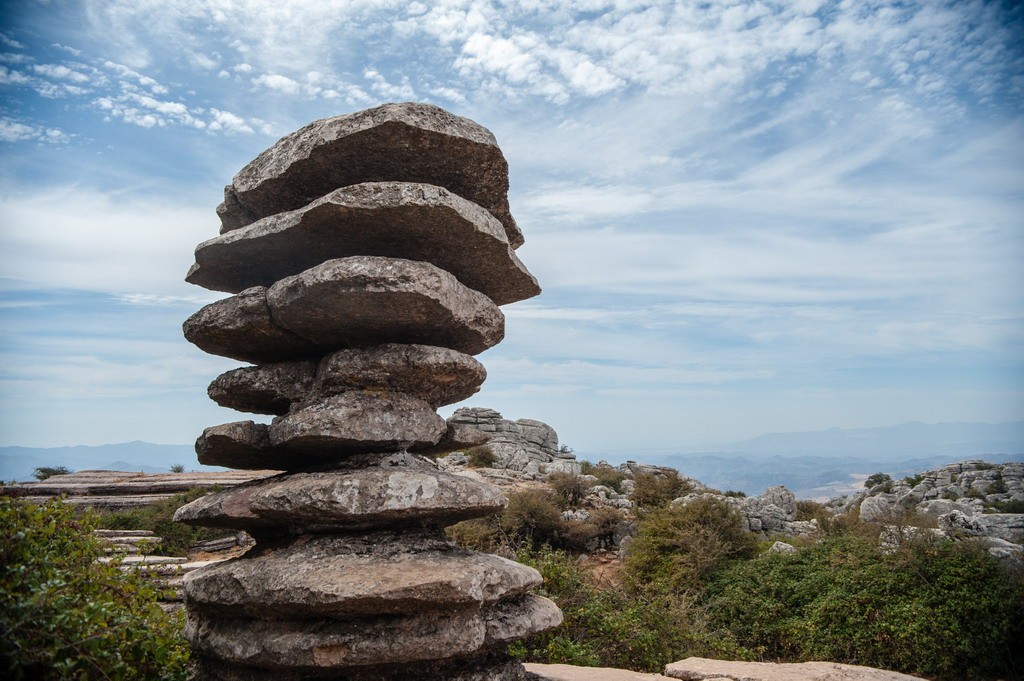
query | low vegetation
(156,517)
(45,472)
(67,616)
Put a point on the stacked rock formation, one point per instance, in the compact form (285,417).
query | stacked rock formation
(368,255)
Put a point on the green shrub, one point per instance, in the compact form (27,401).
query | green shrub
(609,476)
(914,480)
(532,516)
(178,468)
(570,488)
(1008,506)
(604,627)
(156,517)
(877,479)
(480,457)
(656,490)
(44,472)
(66,616)
(734,493)
(998,486)
(677,547)
(811,510)
(941,610)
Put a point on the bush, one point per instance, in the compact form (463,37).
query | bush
(877,479)
(940,610)
(532,516)
(66,616)
(677,547)
(609,476)
(44,472)
(657,490)
(811,510)
(156,517)
(1008,506)
(178,468)
(570,488)
(914,480)
(480,457)
(603,628)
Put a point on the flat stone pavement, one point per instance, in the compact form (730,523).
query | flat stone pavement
(565,672)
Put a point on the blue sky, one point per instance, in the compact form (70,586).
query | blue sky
(746,216)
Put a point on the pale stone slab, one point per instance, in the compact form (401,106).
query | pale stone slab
(356,421)
(264,389)
(326,577)
(370,300)
(395,219)
(241,327)
(333,644)
(436,375)
(699,669)
(408,142)
(565,672)
(376,491)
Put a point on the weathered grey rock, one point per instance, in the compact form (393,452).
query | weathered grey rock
(264,389)
(518,444)
(699,668)
(455,439)
(407,142)
(332,576)
(339,644)
(1008,526)
(566,672)
(360,301)
(390,491)
(933,508)
(876,509)
(241,327)
(782,547)
(359,421)
(487,666)
(436,375)
(395,219)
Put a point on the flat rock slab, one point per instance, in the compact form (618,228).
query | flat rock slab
(566,672)
(325,577)
(395,219)
(264,389)
(699,668)
(357,421)
(375,496)
(486,666)
(406,142)
(456,439)
(436,375)
(241,327)
(338,644)
(370,300)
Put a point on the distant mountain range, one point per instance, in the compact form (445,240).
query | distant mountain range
(818,464)
(18,463)
(827,463)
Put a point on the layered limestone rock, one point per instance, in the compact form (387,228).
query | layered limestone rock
(528,446)
(367,255)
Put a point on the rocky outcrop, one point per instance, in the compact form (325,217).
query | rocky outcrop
(773,512)
(368,255)
(526,446)
(121,490)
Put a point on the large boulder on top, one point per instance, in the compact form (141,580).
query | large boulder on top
(406,142)
(394,219)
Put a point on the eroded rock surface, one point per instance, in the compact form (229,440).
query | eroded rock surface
(369,253)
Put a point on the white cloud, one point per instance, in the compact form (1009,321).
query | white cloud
(11,42)
(227,122)
(17,131)
(275,81)
(61,72)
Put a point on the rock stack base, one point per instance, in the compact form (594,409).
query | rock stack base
(367,255)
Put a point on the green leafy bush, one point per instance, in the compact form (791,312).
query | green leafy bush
(480,457)
(934,609)
(657,490)
(878,479)
(609,476)
(533,516)
(569,488)
(156,517)
(677,547)
(603,628)
(44,472)
(66,616)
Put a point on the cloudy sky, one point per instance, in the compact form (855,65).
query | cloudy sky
(746,216)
